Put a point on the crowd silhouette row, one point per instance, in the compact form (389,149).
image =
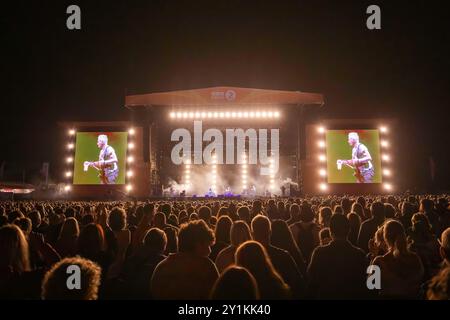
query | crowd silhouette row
(292,248)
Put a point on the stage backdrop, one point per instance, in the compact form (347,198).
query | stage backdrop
(338,148)
(86,150)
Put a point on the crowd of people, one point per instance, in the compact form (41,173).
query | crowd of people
(285,248)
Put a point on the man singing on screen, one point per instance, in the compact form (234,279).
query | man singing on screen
(107,163)
(361,160)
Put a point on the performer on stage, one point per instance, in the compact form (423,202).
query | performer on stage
(361,160)
(210,193)
(107,163)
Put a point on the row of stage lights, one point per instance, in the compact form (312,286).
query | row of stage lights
(224,115)
(70,158)
(385,157)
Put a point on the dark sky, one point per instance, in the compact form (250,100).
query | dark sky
(50,73)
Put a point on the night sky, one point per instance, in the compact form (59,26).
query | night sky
(52,74)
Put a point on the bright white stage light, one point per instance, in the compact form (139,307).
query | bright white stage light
(227,114)
(130,159)
(385,157)
(191,115)
(323,186)
(245,114)
(185,114)
(72,132)
(129,173)
(321,144)
(216,114)
(70,146)
(172,115)
(387,186)
(387,172)
(68,173)
(222,114)
(203,114)
(270,114)
(129,187)
(252,114)
(131,131)
(321,129)
(239,114)
(67,188)
(197,115)
(384,143)
(233,114)
(276,114)
(210,114)
(244,187)
(69,159)
(322,158)
(188,166)
(264,114)
(179,114)
(322,172)
(131,145)
(258,114)
(383,129)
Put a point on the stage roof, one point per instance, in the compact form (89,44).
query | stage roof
(224,96)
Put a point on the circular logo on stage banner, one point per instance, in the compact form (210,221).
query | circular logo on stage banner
(230,95)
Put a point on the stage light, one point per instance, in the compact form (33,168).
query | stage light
(130,159)
(203,114)
(272,181)
(244,165)
(185,114)
(270,114)
(385,157)
(70,146)
(321,144)
(323,186)
(272,186)
(129,173)
(245,114)
(244,187)
(384,143)
(216,114)
(72,132)
(252,114)
(387,172)
(383,129)
(69,159)
(179,114)
(172,115)
(321,129)
(131,131)
(387,186)
(222,114)
(67,188)
(258,114)
(322,172)
(129,187)
(276,114)
(271,160)
(197,115)
(239,114)
(191,115)
(68,173)
(209,114)
(131,145)
(188,166)
(322,158)
(264,114)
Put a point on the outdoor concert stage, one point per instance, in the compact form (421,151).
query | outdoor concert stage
(223,141)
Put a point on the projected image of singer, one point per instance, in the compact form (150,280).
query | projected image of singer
(361,161)
(107,164)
